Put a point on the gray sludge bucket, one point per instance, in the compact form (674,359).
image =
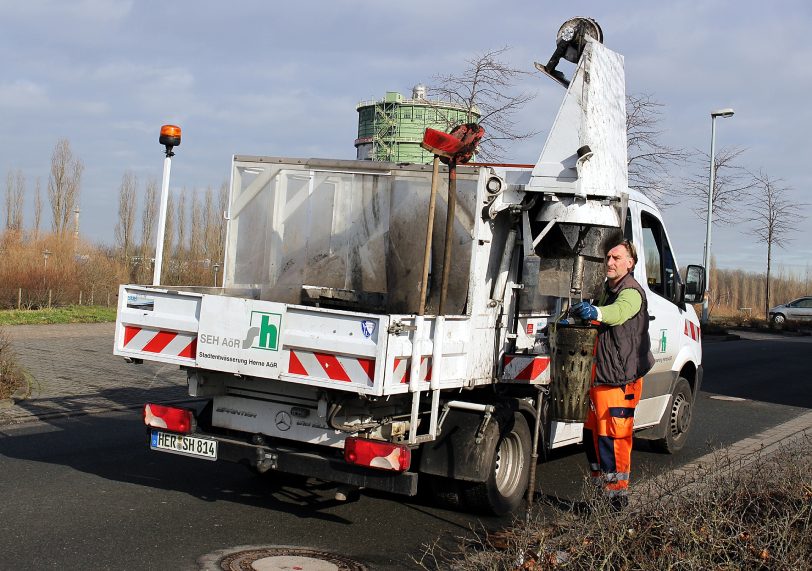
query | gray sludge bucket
(572,349)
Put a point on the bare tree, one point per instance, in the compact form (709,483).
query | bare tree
(125,228)
(64,184)
(196,231)
(37,207)
(774,217)
(15,196)
(486,88)
(222,212)
(149,213)
(215,222)
(650,160)
(180,213)
(209,225)
(9,192)
(732,183)
(169,236)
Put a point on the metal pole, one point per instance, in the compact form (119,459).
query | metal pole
(159,246)
(534,455)
(711,184)
(429,231)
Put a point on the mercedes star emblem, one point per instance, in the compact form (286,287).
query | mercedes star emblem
(282,419)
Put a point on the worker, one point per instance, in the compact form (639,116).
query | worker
(623,356)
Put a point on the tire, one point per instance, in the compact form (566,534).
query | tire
(779,320)
(680,412)
(507,481)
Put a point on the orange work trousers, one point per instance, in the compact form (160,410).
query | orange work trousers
(608,435)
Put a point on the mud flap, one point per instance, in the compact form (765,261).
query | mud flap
(456,454)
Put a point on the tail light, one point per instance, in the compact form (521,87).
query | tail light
(168,417)
(376,454)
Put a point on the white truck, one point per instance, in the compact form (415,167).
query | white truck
(316,357)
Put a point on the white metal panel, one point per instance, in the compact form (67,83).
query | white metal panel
(145,313)
(313,346)
(650,411)
(565,433)
(593,113)
(274,419)
(241,336)
(456,361)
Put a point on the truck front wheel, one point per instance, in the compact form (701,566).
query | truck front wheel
(680,411)
(510,469)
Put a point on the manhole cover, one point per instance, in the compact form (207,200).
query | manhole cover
(278,558)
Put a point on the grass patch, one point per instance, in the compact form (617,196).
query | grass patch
(731,515)
(68,314)
(12,377)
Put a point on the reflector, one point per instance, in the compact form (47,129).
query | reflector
(169,417)
(376,454)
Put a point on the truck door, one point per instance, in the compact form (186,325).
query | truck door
(661,284)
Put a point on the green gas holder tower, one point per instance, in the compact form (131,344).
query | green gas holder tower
(391,129)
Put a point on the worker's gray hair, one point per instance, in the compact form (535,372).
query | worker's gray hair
(629,245)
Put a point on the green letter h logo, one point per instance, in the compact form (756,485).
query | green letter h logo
(268,333)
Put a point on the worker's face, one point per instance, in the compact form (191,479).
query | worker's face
(618,263)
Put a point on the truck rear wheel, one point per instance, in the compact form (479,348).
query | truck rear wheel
(680,411)
(509,473)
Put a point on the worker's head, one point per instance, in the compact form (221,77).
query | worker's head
(620,260)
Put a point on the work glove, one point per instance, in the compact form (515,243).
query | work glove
(585,311)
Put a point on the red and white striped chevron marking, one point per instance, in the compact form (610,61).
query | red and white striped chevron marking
(403,369)
(526,368)
(333,367)
(691,330)
(160,342)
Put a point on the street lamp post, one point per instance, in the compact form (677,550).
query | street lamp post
(216,267)
(711,183)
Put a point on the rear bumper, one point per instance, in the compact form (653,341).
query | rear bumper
(311,463)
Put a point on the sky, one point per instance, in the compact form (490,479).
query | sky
(283,79)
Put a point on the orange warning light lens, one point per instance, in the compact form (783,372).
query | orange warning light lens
(170,135)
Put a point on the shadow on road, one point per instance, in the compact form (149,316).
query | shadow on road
(114,447)
(45,408)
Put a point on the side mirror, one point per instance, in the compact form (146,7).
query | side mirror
(679,292)
(694,284)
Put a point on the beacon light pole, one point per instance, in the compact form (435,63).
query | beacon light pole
(711,183)
(170,137)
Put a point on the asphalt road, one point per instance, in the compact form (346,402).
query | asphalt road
(85,493)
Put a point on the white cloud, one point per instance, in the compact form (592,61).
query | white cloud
(67,11)
(22,94)
(144,76)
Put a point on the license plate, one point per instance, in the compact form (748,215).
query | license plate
(181,444)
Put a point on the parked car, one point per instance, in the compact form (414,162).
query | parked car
(797,310)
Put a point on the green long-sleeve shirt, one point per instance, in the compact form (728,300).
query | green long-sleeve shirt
(626,306)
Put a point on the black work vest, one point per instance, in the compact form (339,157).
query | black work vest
(624,351)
